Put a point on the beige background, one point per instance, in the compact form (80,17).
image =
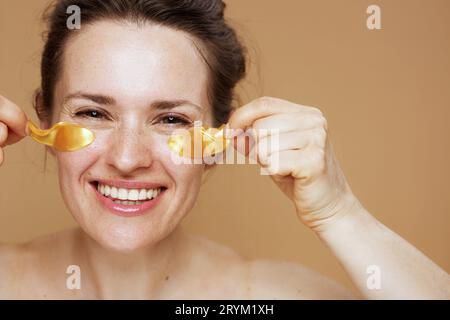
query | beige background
(385,93)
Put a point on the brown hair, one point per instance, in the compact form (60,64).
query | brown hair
(203,19)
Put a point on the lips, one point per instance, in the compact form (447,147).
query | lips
(125,208)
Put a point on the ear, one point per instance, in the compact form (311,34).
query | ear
(41,111)
(45,124)
(44,117)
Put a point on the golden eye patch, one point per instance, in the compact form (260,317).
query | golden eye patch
(211,140)
(63,136)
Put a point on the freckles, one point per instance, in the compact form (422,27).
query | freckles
(77,161)
(180,171)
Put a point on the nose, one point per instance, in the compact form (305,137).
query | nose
(129,150)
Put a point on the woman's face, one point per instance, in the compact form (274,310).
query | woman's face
(132,86)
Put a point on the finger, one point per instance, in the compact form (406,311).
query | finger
(244,116)
(286,122)
(12,138)
(3,133)
(303,164)
(14,118)
(244,143)
(294,140)
(7,136)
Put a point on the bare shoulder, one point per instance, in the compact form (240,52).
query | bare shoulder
(10,266)
(24,265)
(214,256)
(15,262)
(269,279)
(259,279)
(216,271)
(205,246)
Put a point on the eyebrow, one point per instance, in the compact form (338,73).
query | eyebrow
(108,100)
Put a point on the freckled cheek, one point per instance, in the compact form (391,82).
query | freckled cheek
(146,142)
(185,174)
(71,165)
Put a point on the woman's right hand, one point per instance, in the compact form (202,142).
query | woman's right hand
(13,124)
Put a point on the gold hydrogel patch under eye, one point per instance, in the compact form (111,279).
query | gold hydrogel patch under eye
(211,140)
(63,136)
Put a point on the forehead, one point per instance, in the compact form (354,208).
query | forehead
(134,62)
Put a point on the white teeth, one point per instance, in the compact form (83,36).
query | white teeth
(133,194)
(122,194)
(113,192)
(142,194)
(128,202)
(128,196)
(107,190)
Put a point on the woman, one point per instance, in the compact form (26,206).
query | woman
(134,72)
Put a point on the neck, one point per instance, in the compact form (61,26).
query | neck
(132,275)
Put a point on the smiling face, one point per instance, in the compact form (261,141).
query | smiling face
(132,86)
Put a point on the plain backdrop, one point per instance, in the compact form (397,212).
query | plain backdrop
(384,92)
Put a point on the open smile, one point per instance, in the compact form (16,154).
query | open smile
(126,198)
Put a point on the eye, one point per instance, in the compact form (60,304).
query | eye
(91,113)
(174,120)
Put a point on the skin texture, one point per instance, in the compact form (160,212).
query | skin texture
(130,143)
(309,174)
(151,257)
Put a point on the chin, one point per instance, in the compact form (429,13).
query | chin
(127,238)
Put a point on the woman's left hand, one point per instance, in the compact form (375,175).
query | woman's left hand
(302,163)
